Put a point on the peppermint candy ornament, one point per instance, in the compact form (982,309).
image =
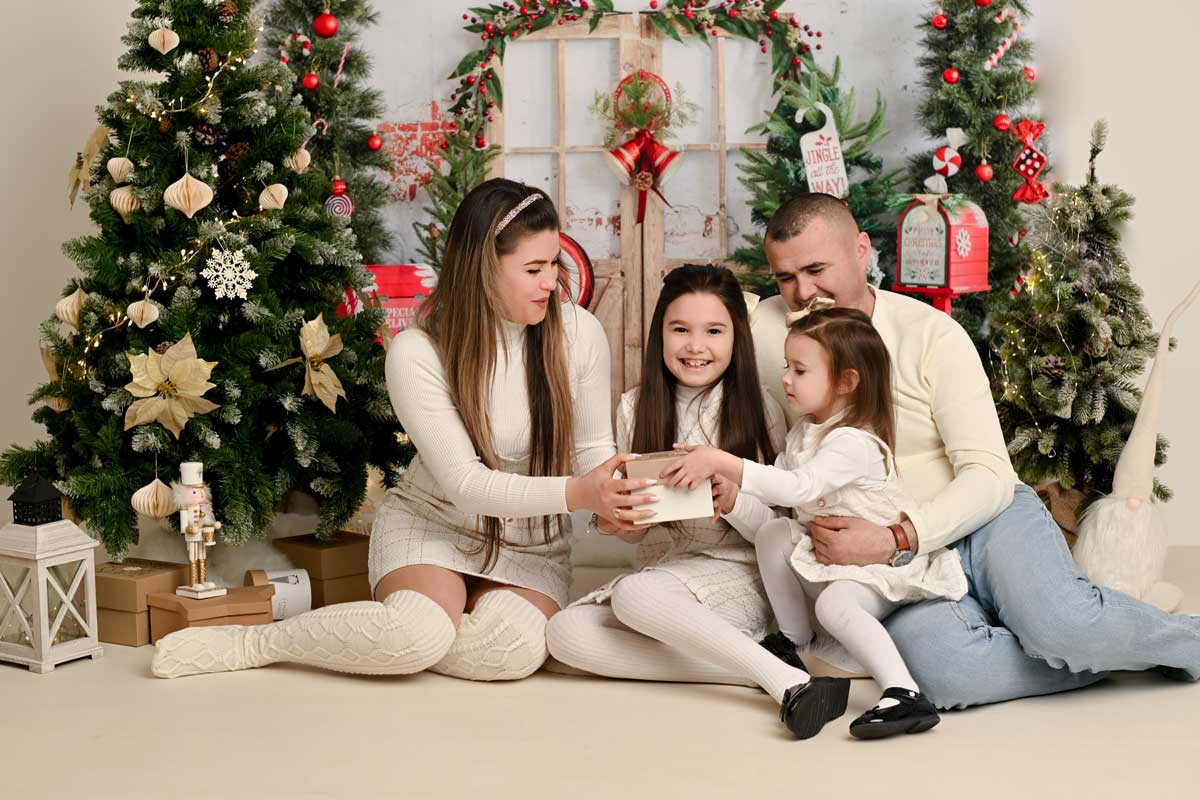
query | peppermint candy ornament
(339,203)
(947,162)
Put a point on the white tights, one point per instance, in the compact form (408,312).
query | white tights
(849,611)
(656,630)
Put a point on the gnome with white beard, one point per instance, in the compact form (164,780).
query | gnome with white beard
(1122,541)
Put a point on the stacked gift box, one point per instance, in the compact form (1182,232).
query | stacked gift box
(337,566)
(122,590)
(244,605)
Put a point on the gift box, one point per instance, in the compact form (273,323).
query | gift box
(245,605)
(337,567)
(122,590)
(673,504)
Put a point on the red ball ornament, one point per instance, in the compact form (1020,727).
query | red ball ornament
(983,3)
(339,186)
(1030,74)
(1002,122)
(941,22)
(312,80)
(325,25)
(951,75)
(374,141)
(985,172)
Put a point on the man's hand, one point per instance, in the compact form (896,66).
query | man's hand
(850,541)
(725,494)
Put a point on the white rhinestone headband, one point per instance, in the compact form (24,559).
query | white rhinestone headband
(510,216)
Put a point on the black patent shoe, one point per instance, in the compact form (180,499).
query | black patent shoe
(913,713)
(783,648)
(808,706)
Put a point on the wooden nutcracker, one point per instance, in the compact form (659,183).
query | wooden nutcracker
(199,528)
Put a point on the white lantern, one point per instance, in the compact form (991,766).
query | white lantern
(47,582)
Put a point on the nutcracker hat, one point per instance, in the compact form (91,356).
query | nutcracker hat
(191,473)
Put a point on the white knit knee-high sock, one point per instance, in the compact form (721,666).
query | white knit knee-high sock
(591,638)
(502,639)
(406,633)
(773,546)
(660,606)
(851,613)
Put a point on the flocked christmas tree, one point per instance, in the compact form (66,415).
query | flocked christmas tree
(321,38)
(202,323)
(1070,346)
(777,175)
(977,77)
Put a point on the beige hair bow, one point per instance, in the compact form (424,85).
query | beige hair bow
(816,304)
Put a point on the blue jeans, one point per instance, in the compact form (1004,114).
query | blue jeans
(1031,623)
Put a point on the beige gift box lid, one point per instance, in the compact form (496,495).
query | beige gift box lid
(673,504)
(125,586)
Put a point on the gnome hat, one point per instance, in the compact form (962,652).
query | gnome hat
(1134,477)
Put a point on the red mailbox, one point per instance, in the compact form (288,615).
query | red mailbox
(942,251)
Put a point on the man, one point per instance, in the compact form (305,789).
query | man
(1031,623)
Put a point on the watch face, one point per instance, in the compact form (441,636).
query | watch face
(902,558)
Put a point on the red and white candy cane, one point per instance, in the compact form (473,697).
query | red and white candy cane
(305,46)
(1016,238)
(1018,284)
(1005,43)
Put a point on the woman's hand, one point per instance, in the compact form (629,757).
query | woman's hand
(613,499)
(725,494)
(611,529)
(701,463)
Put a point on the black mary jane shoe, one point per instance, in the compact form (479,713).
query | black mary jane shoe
(808,706)
(783,648)
(913,713)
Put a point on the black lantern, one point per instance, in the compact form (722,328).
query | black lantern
(36,502)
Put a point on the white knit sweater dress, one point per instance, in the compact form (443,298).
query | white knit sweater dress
(711,559)
(432,516)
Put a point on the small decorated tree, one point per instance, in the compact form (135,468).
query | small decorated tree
(1068,349)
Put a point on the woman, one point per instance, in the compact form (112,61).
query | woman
(503,391)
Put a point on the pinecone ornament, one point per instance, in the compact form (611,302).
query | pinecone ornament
(227,11)
(1054,368)
(237,150)
(163,347)
(165,124)
(1002,415)
(206,134)
(209,61)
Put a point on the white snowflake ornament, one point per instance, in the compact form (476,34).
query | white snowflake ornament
(229,274)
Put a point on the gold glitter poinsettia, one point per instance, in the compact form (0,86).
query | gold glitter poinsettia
(319,377)
(171,386)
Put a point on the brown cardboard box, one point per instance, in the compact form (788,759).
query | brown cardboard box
(344,554)
(121,590)
(130,628)
(245,605)
(340,590)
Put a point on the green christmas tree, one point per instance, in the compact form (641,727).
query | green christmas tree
(341,105)
(202,323)
(1069,347)
(968,87)
(777,175)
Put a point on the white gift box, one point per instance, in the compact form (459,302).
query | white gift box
(673,504)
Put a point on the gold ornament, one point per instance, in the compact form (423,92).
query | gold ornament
(171,386)
(273,197)
(69,308)
(142,313)
(118,167)
(164,40)
(188,195)
(124,201)
(154,500)
(319,377)
(59,404)
(298,161)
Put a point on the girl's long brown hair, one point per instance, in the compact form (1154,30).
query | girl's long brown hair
(743,417)
(463,319)
(852,342)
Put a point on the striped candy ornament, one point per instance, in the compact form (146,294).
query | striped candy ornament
(340,205)
(1005,43)
(305,46)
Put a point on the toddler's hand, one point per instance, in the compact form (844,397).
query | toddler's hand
(697,466)
(725,494)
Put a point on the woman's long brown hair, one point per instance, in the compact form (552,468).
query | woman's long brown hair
(743,417)
(463,318)
(852,342)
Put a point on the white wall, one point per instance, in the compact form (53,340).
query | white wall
(1096,58)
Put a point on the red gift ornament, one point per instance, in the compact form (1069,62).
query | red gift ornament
(643,161)
(1030,162)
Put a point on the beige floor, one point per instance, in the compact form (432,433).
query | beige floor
(108,729)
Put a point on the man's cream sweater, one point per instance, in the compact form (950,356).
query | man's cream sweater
(949,447)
